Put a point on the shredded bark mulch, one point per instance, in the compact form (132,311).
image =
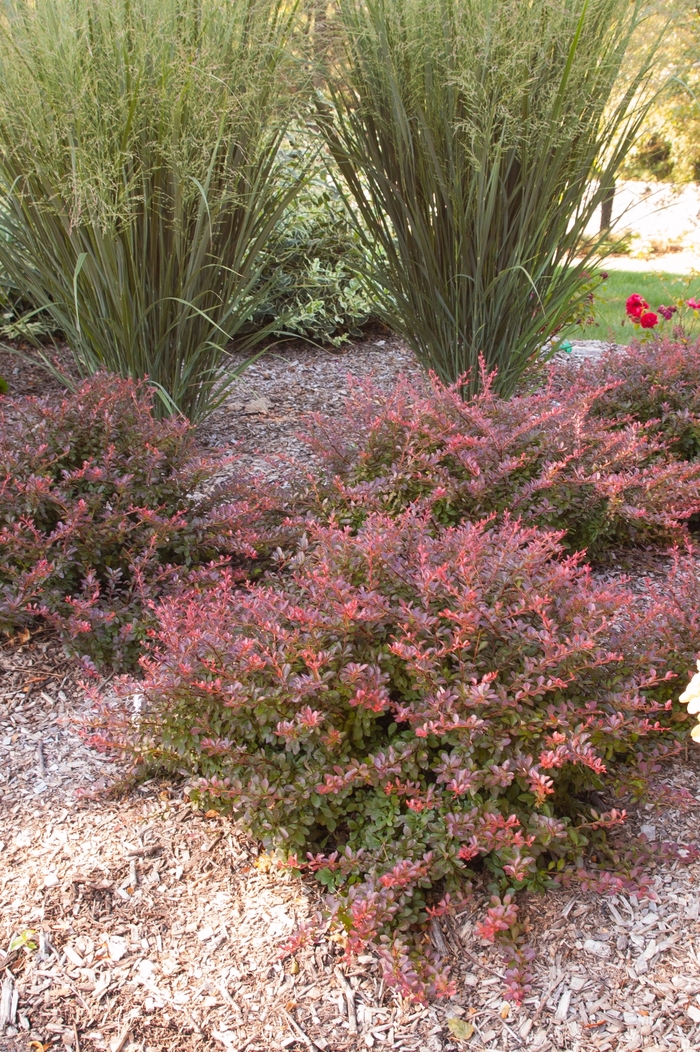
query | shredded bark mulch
(138,922)
(133,921)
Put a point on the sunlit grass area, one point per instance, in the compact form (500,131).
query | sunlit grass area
(656,287)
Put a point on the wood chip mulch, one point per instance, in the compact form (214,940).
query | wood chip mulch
(139,923)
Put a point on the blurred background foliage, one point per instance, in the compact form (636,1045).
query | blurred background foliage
(668,146)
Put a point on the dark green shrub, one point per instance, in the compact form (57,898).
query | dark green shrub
(652,158)
(312,266)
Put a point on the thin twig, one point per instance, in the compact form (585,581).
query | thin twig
(516,1037)
(349,998)
(295,1026)
(486,967)
(545,996)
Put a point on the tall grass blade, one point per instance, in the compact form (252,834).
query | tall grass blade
(139,168)
(475,139)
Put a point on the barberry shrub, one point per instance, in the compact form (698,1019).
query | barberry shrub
(654,383)
(545,457)
(398,710)
(666,627)
(99,515)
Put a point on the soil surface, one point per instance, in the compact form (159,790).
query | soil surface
(261,419)
(131,921)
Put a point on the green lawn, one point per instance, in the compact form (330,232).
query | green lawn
(655,287)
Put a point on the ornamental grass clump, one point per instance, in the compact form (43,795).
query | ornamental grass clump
(99,516)
(544,457)
(476,138)
(397,712)
(139,177)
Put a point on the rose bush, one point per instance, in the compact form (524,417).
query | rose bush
(639,314)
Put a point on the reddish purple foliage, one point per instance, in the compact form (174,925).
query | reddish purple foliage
(543,457)
(653,383)
(417,694)
(98,516)
(400,710)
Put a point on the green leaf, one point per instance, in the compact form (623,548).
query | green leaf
(23,941)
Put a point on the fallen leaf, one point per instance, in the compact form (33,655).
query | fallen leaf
(257,406)
(24,939)
(460,1028)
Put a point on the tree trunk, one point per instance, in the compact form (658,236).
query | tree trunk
(606,208)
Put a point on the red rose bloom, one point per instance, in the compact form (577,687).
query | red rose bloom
(636,306)
(649,320)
